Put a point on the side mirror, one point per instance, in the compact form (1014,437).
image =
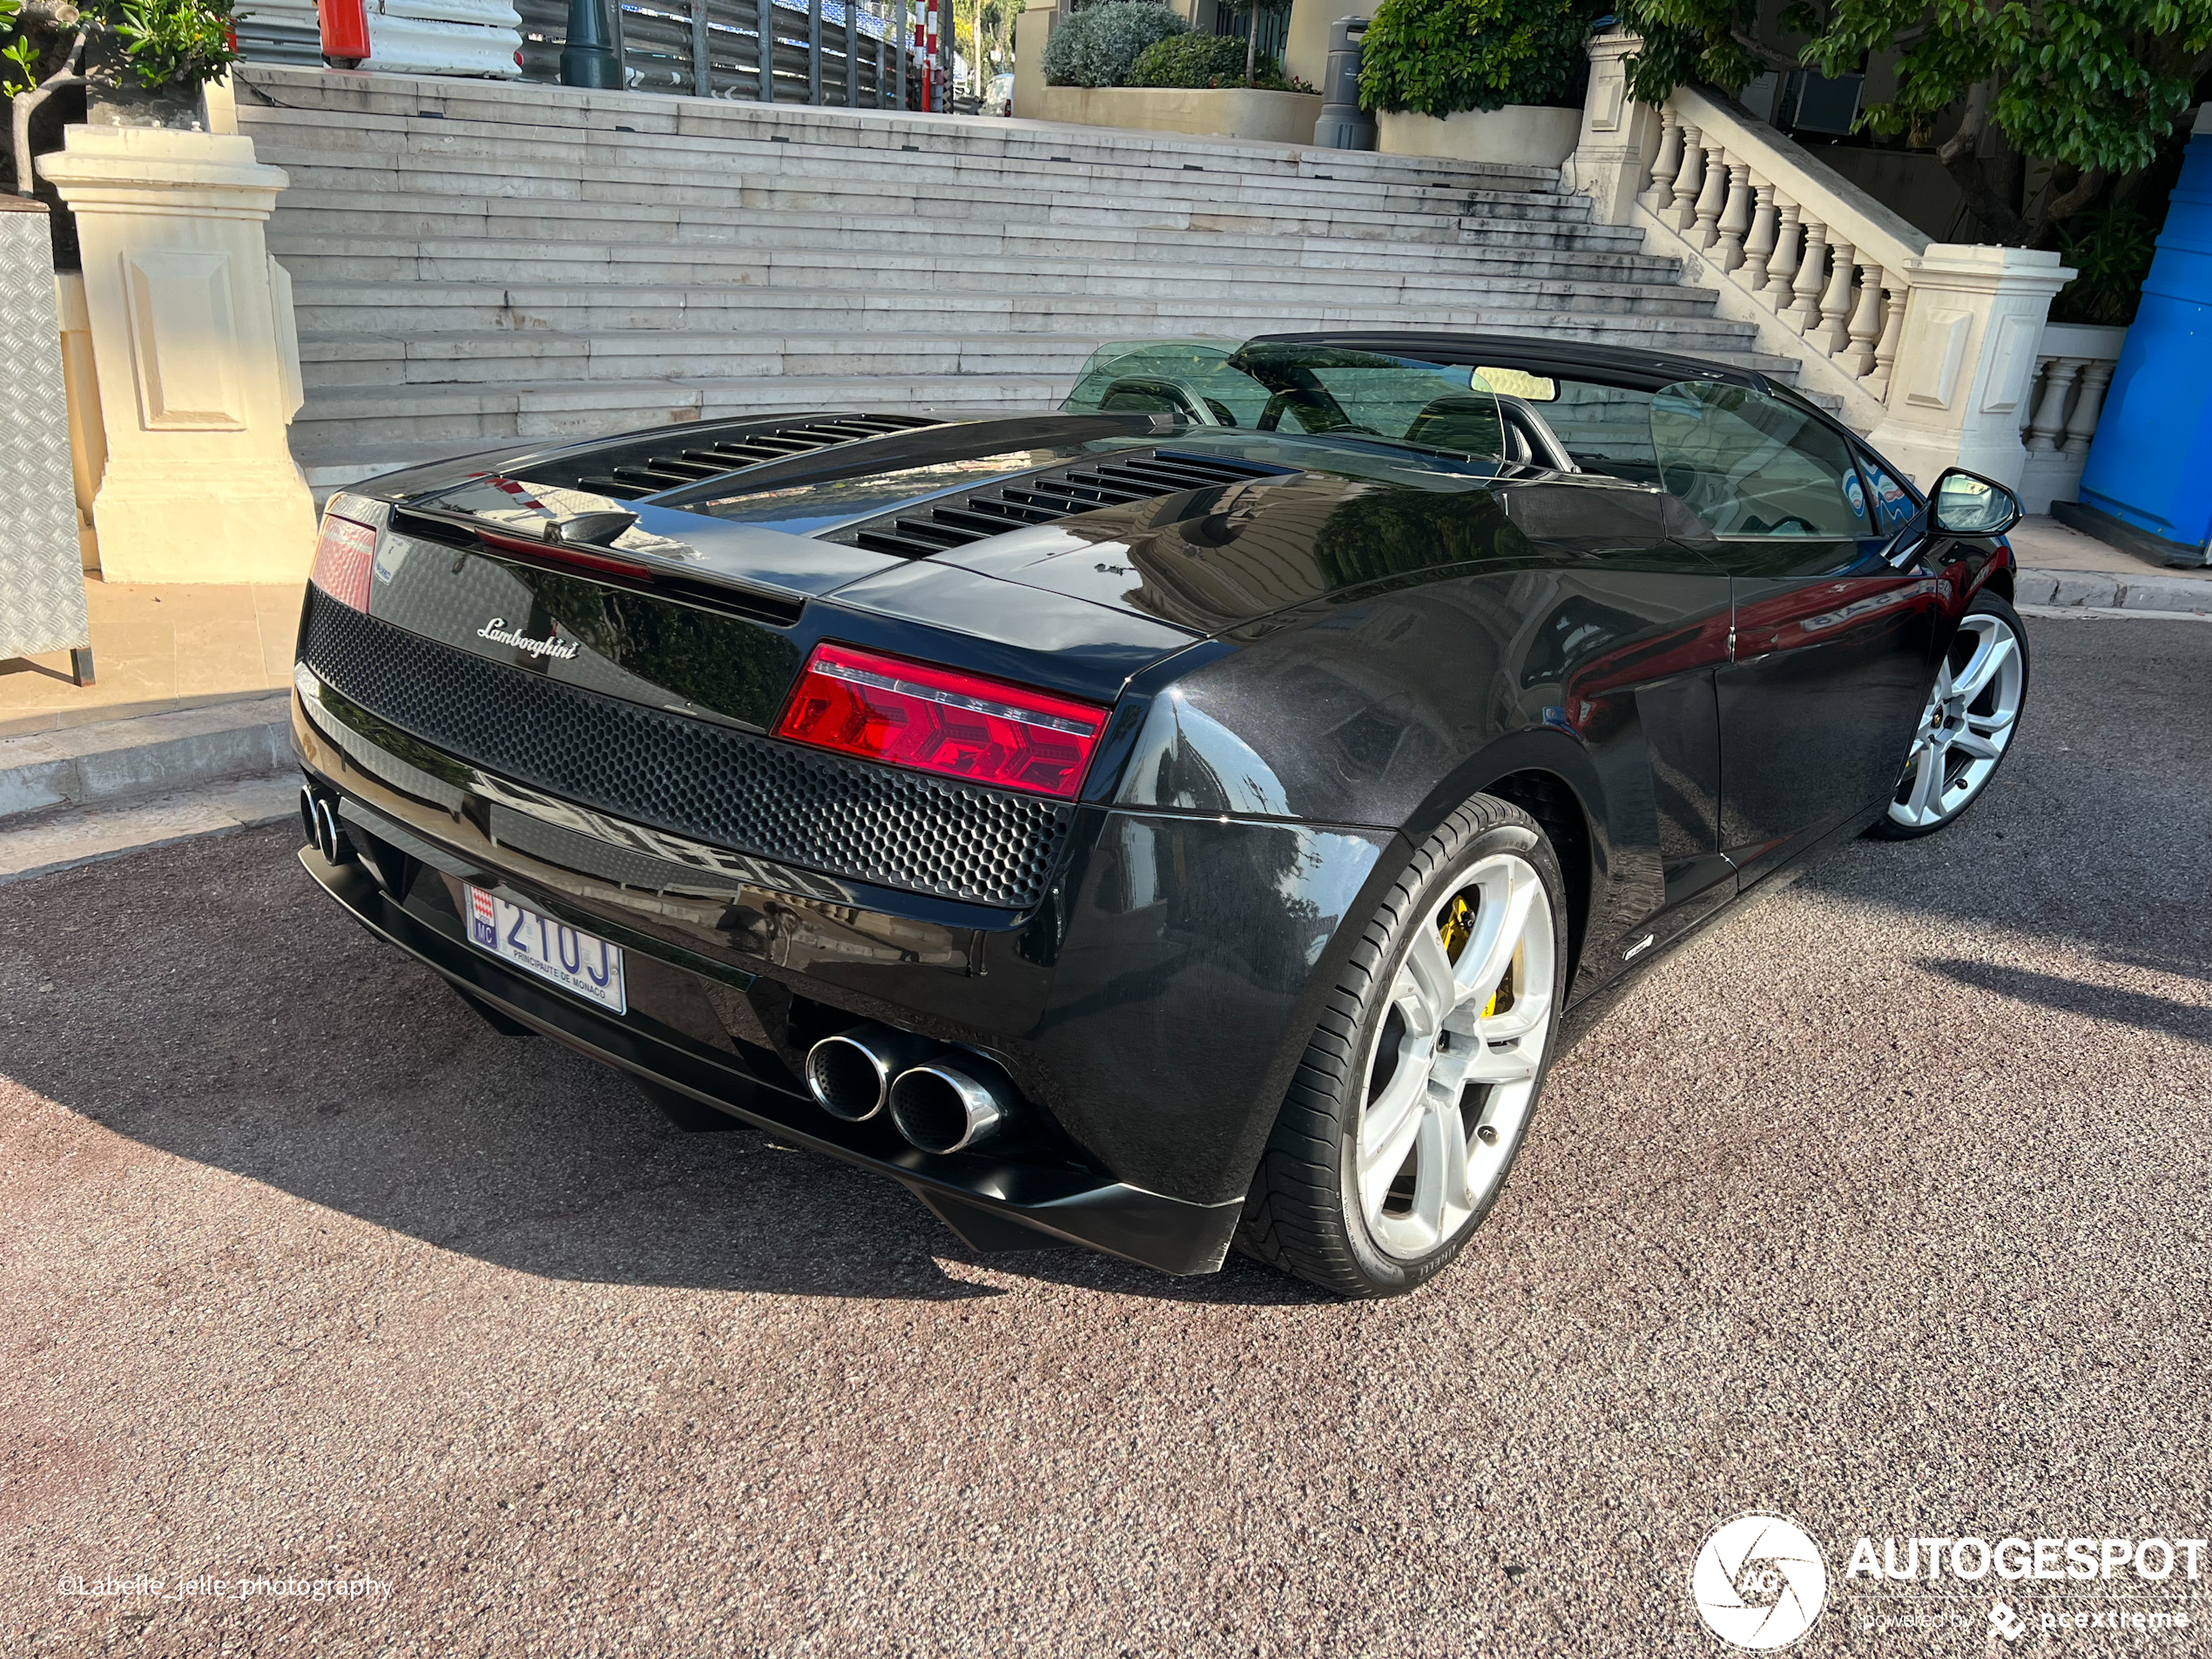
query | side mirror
(1965,504)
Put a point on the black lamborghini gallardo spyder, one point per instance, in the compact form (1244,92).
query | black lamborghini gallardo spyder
(1187,817)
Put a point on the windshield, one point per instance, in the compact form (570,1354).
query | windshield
(1293,388)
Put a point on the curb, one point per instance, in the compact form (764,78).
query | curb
(2101,590)
(118,760)
(56,841)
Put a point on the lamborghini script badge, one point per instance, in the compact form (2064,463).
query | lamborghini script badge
(499,633)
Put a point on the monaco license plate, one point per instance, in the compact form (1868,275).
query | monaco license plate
(575,961)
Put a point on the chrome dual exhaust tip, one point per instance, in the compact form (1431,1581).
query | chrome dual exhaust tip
(319,816)
(850,1075)
(941,1109)
(938,1105)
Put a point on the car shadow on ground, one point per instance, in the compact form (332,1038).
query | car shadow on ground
(2092,833)
(209,1001)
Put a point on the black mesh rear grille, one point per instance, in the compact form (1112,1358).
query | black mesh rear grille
(897,829)
(1040,497)
(677,465)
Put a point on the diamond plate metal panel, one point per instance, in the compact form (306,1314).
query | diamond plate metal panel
(42,574)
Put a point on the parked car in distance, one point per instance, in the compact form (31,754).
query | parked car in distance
(1196,816)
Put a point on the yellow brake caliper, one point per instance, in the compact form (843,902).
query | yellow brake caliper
(1457,927)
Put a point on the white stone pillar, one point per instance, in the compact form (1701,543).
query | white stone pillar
(1620,136)
(1966,358)
(194,354)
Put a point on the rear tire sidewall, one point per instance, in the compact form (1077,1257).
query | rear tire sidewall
(1388,1274)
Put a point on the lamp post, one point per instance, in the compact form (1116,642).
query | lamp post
(590,57)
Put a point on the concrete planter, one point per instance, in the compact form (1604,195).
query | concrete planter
(1230,112)
(1530,135)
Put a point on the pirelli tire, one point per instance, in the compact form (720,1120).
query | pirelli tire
(1418,1024)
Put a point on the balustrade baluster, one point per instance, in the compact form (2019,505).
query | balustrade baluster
(1735,217)
(1681,212)
(1865,325)
(1758,246)
(1832,333)
(1886,349)
(2048,425)
(1782,269)
(1813,270)
(1659,195)
(2081,425)
(1711,198)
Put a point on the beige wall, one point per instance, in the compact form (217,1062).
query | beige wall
(1268,117)
(1031,30)
(1522,135)
(1306,53)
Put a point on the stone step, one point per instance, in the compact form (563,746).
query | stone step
(381,142)
(1041,212)
(368,99)
(305,210)
(490,154)
(372,143)
(494,359)
(468,308)
(753,250)
(551,185)
(421,422)
(475,262)
(449,420)
(802,277)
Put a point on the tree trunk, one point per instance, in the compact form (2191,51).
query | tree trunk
(1999,218)
(1251,40)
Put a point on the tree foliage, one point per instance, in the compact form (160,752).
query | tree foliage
(163,43)
(1099,45)
(2091,85)
(172,43)
(1439,56)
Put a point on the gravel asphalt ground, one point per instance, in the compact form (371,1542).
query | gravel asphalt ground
(1884,1205)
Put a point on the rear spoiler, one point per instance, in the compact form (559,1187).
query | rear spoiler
(570,546)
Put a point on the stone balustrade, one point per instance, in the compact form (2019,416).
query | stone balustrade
(1928,347)
(1833,271)
(2073,369)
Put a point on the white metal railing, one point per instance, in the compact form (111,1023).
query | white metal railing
(1831,265)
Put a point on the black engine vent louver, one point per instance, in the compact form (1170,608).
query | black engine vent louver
(676,468)
(1040,497)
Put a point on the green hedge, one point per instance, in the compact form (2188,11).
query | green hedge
(1190,60)
(1099,45)
(1439,56)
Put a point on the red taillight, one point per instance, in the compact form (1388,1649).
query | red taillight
(344,553)
(936,719)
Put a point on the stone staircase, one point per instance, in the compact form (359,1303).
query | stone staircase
(477,261)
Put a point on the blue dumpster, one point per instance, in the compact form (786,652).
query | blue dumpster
(2151,463)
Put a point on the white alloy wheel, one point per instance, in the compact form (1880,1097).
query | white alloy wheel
(1457,1058)
(1967,725)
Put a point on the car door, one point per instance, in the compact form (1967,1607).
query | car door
(1833,645)
(1624,648)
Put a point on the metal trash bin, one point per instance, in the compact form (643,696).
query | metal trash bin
(1343,124)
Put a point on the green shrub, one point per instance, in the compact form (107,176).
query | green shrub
(1098,45)
(2111,254)
(1439,56)
(1191,60)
